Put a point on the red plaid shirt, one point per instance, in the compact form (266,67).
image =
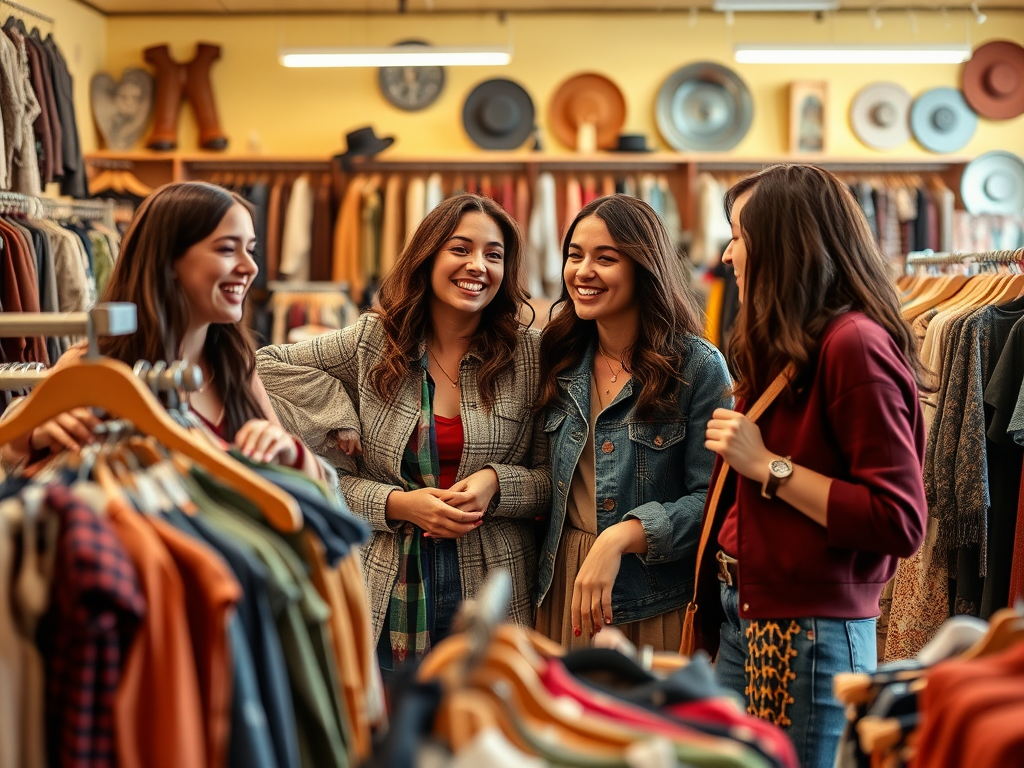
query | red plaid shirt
(96,607)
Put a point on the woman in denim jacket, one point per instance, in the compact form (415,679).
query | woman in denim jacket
(628,386)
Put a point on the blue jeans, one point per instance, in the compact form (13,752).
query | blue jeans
(805,654)
(443,583)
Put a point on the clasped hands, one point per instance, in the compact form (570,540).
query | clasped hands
(449,513)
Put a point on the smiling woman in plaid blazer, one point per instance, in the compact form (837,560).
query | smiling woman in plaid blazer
(439,383)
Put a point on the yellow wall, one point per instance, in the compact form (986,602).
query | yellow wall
(81,34)
(307,112)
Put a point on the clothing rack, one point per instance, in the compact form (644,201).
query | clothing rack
(57,208)
(16,376)
(88,210)
(479,618)
(987,257)
(316,286)
(26,205)
(24,9)
(110,319)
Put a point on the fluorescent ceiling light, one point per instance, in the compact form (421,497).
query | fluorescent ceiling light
(396,56)
(775,5)
(852,54)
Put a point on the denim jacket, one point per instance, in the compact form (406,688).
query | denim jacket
(655,472)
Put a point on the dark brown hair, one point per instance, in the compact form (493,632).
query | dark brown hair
(810,258)
(167,223)
(405,293)
(667,311)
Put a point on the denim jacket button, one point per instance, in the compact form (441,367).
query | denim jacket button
(561,484)
(609,505)
(608,446)
(658,441)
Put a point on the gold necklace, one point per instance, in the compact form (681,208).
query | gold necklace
(206,383)
(615,374)
(455,384)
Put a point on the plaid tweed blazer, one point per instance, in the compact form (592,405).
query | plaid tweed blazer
(322,385)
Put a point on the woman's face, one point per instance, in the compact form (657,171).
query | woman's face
(736,253)
(470,266)
(216,273)
(601,280)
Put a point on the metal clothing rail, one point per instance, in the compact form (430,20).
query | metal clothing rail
(15,202)
(24,9)
(985,257)
(57,208)
(15,376)
(112,319)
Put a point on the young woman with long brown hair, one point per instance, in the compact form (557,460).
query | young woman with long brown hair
(629,383)
(438,382)
(829,491)
(186,263)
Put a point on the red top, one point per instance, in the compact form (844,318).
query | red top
(220,430)
(449,448)
(859,422)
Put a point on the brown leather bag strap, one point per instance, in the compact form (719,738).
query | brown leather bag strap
(755,411)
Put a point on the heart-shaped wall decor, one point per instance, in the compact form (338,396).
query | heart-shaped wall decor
(122,108)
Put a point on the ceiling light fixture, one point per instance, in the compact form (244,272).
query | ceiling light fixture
(775,5)
(979,17)
(876,20)
(396,56)
(852,54)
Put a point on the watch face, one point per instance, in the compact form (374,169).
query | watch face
(411,88)
(780,468)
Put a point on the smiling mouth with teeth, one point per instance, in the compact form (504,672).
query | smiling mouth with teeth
(237,289)
(589,291)
(469,286)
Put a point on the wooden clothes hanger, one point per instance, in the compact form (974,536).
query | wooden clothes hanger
(131,184)
(111,385)
(1005,628)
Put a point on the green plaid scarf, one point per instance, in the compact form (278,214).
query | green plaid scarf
(410,633)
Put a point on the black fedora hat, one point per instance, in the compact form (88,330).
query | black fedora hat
(631,142)
(362,142)
(498,114)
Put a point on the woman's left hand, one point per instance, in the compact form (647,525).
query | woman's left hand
(738,440)
(264,441)
(592,590)
(482,485)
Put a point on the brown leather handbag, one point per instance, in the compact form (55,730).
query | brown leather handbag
(686,646)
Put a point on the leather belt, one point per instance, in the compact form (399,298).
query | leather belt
(728,569)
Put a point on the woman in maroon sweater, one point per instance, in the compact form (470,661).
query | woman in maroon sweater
(827,491)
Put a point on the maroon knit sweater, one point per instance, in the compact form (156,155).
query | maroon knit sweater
(858,421)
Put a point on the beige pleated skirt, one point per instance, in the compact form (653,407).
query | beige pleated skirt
(554,618)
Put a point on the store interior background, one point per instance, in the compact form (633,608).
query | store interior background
(270,110)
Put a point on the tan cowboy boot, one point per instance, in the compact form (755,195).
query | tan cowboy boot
(170,82)
(199,91)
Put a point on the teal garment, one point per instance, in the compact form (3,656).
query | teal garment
(301,623)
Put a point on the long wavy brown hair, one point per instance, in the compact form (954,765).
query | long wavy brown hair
(405,294)
(810,258)
(167,223)
(667,311)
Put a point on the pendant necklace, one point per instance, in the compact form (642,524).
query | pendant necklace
(455,384)
(607,361)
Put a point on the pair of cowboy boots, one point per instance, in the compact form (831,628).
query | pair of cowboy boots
(192,80)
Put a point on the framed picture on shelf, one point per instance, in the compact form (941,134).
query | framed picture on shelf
(808,105)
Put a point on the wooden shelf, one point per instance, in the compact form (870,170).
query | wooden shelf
(156,168)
